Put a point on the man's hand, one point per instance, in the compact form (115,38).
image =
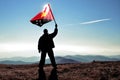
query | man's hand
(56,25)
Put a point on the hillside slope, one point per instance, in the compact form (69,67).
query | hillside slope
(59,59)
(77,71)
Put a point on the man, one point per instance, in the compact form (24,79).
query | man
(45,45)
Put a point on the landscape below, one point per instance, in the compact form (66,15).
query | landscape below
(60,59)
(97,70)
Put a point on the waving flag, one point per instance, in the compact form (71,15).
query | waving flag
(43,17)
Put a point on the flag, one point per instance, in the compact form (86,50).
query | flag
(43,17)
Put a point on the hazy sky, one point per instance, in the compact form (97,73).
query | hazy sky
(85,27)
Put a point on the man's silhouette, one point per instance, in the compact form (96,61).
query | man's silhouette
(45,45)
(41,75)
(53,75)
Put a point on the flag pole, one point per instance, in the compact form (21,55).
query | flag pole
(52,14)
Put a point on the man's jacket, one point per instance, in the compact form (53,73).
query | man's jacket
(46,41)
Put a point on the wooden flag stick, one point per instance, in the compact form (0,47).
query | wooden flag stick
(52,14)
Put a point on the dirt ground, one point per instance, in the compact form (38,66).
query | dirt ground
(79,71)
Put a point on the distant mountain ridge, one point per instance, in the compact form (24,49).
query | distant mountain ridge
(90,58)
(59,59)
(14,62)
(24,59)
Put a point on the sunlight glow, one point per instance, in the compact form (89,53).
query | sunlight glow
(73,48)
(85,49)
(17,47)
(14,47)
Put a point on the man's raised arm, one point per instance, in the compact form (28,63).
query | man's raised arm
(55,31)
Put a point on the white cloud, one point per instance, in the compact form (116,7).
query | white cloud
(89,22)
(28,49)
(16,47)
(86,49)
(95,21)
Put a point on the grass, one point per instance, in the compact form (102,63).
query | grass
(79,71)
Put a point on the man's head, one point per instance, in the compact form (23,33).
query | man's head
(45,31)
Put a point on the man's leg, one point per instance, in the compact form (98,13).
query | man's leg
(52,58)
(42,61)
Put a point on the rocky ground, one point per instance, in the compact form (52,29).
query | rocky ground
(78,71)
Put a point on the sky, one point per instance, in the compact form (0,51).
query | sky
(86,27)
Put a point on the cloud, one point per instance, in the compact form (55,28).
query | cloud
(87,49)
(16,47)
(95,21)
(88,22)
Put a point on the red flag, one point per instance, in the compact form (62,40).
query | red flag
(43,17)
